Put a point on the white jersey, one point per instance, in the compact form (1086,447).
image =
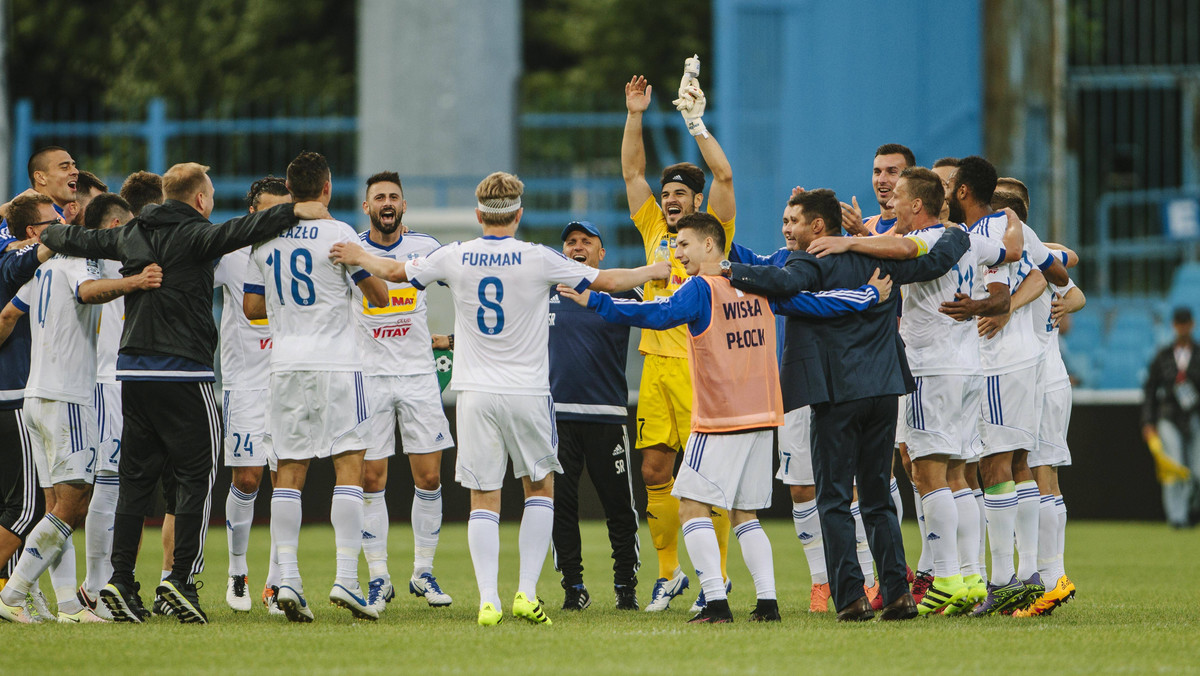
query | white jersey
(112,323)
(62,356)
(1055,373)
(501,288)
(934,343)
(308,297)
(395,339)
(245,343)
(1015,347)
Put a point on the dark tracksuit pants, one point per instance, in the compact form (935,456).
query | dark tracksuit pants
(854,440)
(22,501)
(166,422)
(604,449)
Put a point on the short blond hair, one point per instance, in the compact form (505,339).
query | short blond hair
(499,190)
(184,181)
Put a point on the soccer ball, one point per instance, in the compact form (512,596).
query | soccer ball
(442,364)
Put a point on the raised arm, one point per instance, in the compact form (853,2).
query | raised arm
(73,240)
(97,291)
(720,195)
(624,279)
(633,148)
(1013,238)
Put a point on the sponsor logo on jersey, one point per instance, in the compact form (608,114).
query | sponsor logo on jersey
(391,331)
(265,344)
(399,300)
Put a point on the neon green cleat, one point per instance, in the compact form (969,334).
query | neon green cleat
(529,610)
(945,593)
(489,616)
(976,593)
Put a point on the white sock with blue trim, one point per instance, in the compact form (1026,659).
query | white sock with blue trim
(980,503)
(700,538)
(102,512)
(537,525)
(756,552)
(239,515)
(42,547)
(1047,540)
(1027,529)
(808,530)
(1001,528)
(286,513)
(895,491)
(62,576)
(941,531)
(925,561)
(968,532)
(346,513)
(426,526)
(483,539)
(375,535)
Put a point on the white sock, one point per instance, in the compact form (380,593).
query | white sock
(537,525)
(808,530)
(983,532)
(426,526)
(941,531)
(925,561)
(895,490)
(346,513)
(701,541)
(1047,540)
(42,547)
(861,548)
(1027,529)
(285,533)
(239,514)
(165,575)
(375,535)
(1062,534)
(968,532)
(1001,529)
(272,568)
(483,539)
(756,552)
(62,576)
(102,511)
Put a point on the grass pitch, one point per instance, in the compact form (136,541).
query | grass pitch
(1135,612)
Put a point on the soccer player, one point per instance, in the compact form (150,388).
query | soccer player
(104,211)
(1010,359)
(22,504)
(664,397)
(141,189)
(890,160)
(318,399)
(943,355)
(52,172)
(59,416)
(587,383)
(398,363)
(737,402)
(166,371)
(501,289)
(245,356)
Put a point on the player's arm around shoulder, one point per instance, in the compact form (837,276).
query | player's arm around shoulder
(351,253)
(95,290)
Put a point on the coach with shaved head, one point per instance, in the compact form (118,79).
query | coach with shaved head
(165,364)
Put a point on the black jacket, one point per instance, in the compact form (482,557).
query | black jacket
(1160,401)
(857,355)
(175,320)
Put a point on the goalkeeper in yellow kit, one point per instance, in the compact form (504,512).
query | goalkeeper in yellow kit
(665,397)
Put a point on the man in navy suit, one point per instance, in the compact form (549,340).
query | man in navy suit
(850,370)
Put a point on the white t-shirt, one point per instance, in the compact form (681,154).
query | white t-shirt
(934,343)
(1054,373)
(1015,347)
(62,356)
(308,297)
(501,288)
(112,323)
(395,339)
(245,343)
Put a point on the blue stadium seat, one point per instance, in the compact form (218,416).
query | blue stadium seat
(1187,276)
(1121,370)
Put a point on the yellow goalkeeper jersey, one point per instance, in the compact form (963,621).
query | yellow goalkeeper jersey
(651,222)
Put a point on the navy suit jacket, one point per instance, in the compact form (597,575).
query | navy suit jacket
(854,356)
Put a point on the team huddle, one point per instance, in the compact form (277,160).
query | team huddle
(107,363)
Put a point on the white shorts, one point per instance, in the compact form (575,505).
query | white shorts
(795,448)
(492,428)
(939,416)
(901,428)
(729,471)
(1010,411)
(415,402)
(109,424)
(317,414)
(1052,431)
(247,439)
(62,437)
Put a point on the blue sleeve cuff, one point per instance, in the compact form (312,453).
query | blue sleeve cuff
(1003,255)
(254,288)
(359,276)
(20,305)
(417,285)
(1044,265)
(583,285)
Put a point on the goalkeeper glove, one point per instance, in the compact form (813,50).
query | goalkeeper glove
(691,99)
